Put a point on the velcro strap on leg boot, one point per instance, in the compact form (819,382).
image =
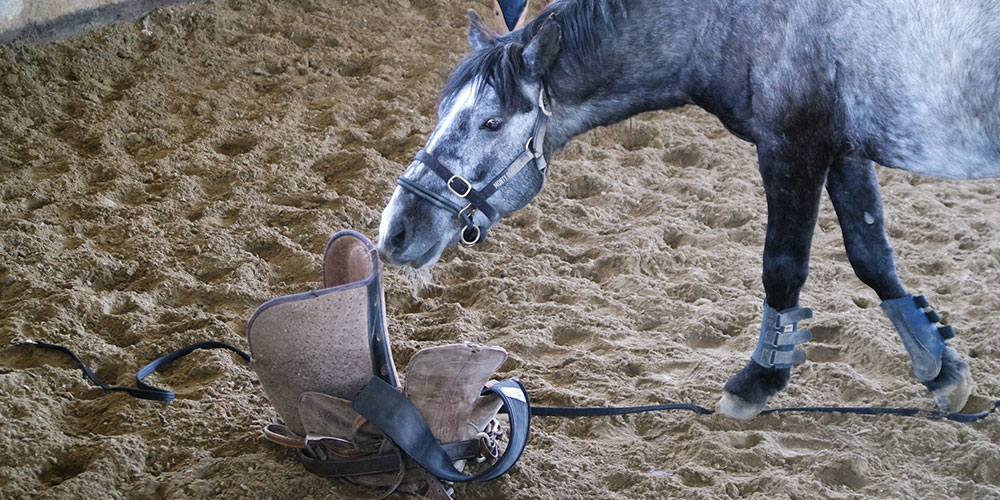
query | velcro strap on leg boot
(922,340)
(779,334)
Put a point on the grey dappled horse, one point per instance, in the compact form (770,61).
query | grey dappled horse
(822,88)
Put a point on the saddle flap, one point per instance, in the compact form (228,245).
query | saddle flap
(327,340)
(445,384)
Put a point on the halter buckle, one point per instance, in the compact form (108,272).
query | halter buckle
(468,186)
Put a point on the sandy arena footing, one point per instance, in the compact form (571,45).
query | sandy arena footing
(159,179)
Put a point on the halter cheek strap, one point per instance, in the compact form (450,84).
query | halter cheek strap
(476,199)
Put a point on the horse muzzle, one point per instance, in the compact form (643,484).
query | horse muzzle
(405,240)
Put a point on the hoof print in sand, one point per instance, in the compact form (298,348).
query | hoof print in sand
(236,146)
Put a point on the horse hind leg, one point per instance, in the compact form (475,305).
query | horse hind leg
(853,188)
(793,190)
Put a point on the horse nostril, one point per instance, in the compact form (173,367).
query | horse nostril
(397,239)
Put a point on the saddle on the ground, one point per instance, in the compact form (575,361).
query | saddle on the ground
(324,361)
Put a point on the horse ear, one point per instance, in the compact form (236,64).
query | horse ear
(480,37)
(544,46)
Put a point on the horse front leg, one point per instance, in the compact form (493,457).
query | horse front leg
(853,188)
(794,184)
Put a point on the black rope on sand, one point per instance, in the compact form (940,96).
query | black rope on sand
(146,391)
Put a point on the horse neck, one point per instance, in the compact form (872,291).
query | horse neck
(629,75)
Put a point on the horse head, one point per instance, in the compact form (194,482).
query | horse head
(487,156)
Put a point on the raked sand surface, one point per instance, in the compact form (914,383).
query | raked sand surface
(160,179)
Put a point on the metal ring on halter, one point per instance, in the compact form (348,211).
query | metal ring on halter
(527,145)
(468,186)
(475,240)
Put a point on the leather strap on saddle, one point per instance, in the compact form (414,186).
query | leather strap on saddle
(404,423)
(317,460)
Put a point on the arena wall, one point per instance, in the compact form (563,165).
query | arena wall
(45,20)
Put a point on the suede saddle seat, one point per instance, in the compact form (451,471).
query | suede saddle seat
(315,351)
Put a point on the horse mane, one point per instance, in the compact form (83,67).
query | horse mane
(584,24)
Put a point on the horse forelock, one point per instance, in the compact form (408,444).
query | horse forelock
(501,67)
(584,24)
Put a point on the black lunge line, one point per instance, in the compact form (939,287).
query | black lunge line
(146,391)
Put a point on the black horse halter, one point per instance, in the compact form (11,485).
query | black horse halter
(479,199)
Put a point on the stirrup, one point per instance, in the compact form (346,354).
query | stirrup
(315,352)
(779,334)
(914,320)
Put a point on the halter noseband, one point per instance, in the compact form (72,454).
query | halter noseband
(479,199)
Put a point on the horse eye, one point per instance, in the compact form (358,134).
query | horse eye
(493,124)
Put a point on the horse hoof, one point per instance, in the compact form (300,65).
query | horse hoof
(953,386)
(953,397)
(734,406)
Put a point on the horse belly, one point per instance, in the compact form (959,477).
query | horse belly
(919,86)
(950,163)
(948,145)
